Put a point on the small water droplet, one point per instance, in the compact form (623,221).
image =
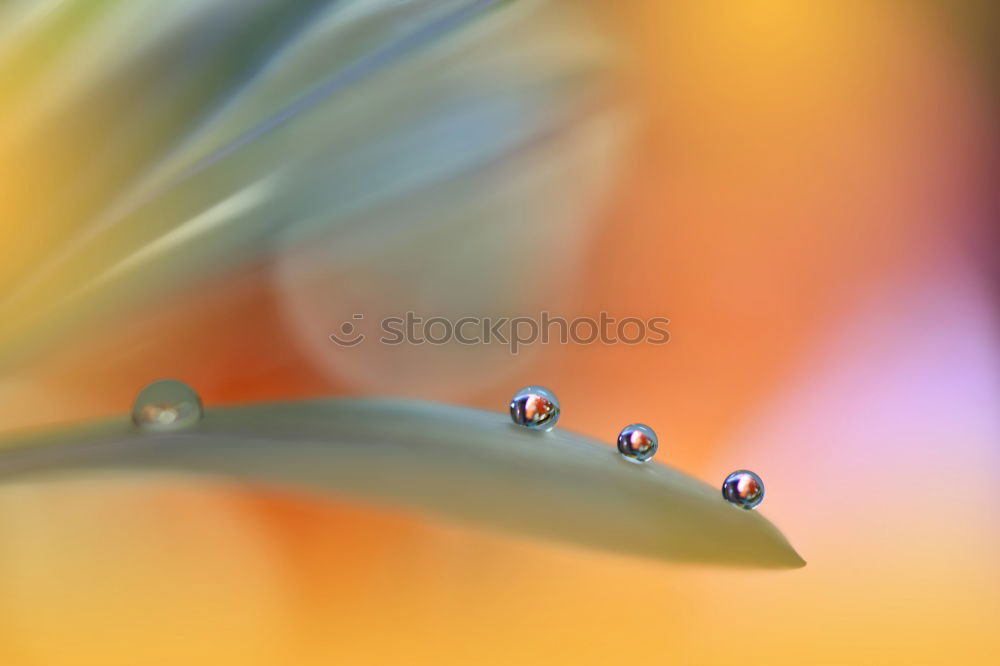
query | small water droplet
(744,489)
(637,442)
(535,407)
(167,404)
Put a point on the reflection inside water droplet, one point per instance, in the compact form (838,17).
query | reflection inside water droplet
(744,489)
(167,404)
(637,442)
(535,407)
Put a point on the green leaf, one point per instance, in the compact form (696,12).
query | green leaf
(451,462)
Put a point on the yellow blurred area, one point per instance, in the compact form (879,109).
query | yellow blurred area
(232,576)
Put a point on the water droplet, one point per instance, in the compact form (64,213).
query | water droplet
(744,489)
(167,404)
(637,442)
(535,407)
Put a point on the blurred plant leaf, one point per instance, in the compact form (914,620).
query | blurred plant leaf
(256,126)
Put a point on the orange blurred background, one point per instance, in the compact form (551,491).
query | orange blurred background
(804,189)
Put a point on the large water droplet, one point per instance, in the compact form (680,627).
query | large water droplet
(167,404)
(744,489)
(535,407)
(637,442)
